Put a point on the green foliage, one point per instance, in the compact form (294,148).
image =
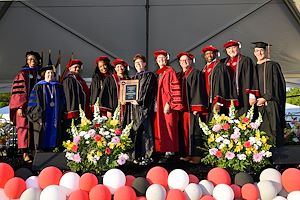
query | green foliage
(293,100)
(4,99)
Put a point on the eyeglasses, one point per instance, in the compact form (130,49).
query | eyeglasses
(186,60)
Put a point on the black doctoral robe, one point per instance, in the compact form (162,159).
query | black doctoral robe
(45,110)
(97,85)
(220,88)
(194,98)
(244,82)
(77,93)
(272,88)
(142,115)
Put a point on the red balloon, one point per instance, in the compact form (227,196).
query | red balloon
(6,173)
(125,193)
(237,191)
(100,192)
(87,181)
(158,175)
(218,176)
(193,179)
(250,192)
(79,195)
(14,187)
(175,194)
(141,198)
(129,180)
(207,197)
(49,176)
(290,179)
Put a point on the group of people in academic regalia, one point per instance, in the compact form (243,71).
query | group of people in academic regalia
(166,113)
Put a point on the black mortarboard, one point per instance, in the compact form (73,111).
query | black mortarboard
(261,45)
(48,67)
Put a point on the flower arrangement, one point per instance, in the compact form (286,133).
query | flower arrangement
(236,143)
(292,133)
(98,145)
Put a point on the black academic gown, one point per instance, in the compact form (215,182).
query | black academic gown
(244,82)
(75,97)
(142,115)
(46,114)
(272,88)
(194,98)
(220,88)
(97,85)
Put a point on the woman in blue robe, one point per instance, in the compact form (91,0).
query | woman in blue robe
(45,110)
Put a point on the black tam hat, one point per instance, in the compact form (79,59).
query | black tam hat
(48,67)
(261,45)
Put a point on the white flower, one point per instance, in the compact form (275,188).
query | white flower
(241,156)
(87,142)
(219,139)
(256,146)
(86,136)
(106,133)
(69,155)
(231,121)
(226,141)
(225,136)
(236,121)
(295,139)
(222,145)
(213,151)
(252,140)
(258,142)
(82,133)
(268,154)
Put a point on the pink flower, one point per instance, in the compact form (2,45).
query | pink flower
(257,157)
(91,132)
(226,127)
(77,158)
(229,155)
(219,154)
(247,144)
(217,128)
(118,131)
(235,136)
(213,151)
(122,159)
(76,139)
(254,125)
(115,140)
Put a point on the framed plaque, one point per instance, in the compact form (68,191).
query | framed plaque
(129,90)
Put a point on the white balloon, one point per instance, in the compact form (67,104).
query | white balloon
(295,195)
(273,175)
(113,179)
(156,192)
(31,194)
(207,187)
(223,192)
(32,182)
(3,195)
(267,190)
(193,191)
(279,198)
(52,192)
(178,179)
(70,182)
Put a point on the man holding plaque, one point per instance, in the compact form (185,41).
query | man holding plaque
(140,111)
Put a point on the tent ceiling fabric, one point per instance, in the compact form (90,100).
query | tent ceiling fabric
(90,28)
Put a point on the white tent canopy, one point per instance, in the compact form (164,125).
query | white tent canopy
(122,28)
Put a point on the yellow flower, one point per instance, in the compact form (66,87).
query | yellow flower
(85,121)
(211,138)
(238,147)
(230,145)
(99,143)
(111,145)
(68,145)
(242,126)
(114,122)
(99,153)
(264,139)
(90,156)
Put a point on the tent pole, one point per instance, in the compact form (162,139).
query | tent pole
(147,6)
(5,8)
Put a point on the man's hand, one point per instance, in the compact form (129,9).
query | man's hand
(252,101)
(20,112)
(134,102)
(109,114)
(261,102)
(195,112)
(167,108)
(217,108)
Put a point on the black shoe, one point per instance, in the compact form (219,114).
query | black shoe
(146,161)
(163,160)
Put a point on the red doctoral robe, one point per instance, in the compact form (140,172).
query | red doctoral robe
(166,125)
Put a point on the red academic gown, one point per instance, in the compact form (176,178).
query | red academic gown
(21,88)
(166,125)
